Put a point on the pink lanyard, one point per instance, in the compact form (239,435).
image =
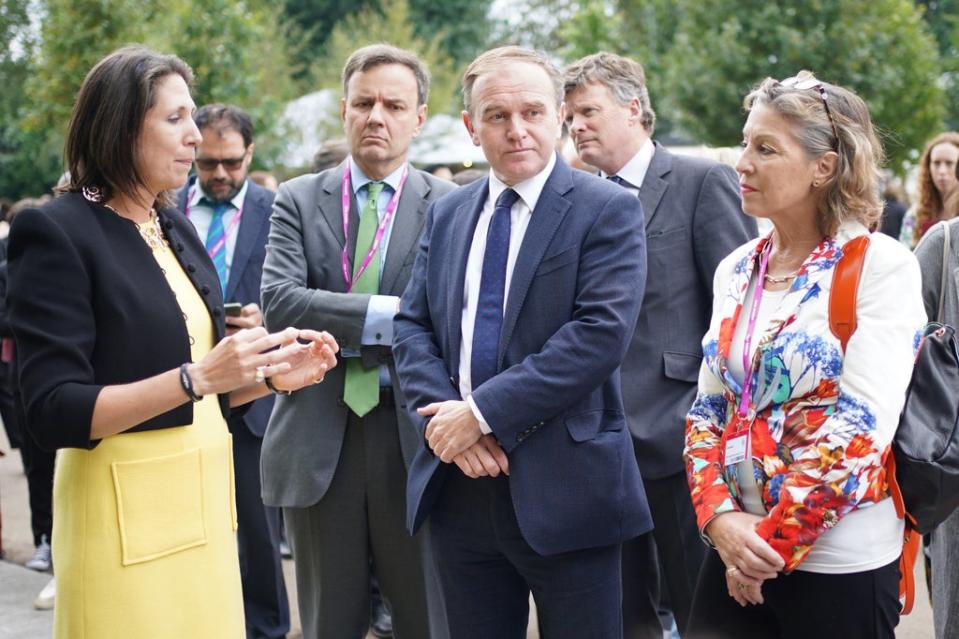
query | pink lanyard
(380,230)
(750,328)
(213,250)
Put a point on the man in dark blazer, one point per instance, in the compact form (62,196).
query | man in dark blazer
(693,220)
(508,342)
(335,455)
(232,217)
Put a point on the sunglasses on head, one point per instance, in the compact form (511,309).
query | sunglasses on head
(210,164)
(802,84)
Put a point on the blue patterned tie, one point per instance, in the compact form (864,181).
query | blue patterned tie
(489,308)
(216,233)
(615,179)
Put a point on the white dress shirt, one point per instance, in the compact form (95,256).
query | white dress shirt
(529,192)
(201,215)
(635,170)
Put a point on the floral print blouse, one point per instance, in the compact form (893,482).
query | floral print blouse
(820,421)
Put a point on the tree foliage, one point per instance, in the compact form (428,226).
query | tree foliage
(880,49)
(395,27)
(463,25)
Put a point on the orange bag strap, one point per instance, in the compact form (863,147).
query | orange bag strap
(842,323)
(845,289)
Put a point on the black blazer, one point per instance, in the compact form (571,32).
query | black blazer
(90,307)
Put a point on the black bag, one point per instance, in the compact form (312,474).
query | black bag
(926,444)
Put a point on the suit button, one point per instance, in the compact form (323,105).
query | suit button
(179,246)
(379,336)
(217,311)
(191,268)
(168,224)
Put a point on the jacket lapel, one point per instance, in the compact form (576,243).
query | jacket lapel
(407,226)
(330,204)
(551,209)
(255,215)
(654,185)
(469,212)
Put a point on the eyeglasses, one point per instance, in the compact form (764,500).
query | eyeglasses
(210,164)
(802,84)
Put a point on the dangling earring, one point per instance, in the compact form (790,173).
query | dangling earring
(92,193)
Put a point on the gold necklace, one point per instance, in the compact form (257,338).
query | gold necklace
(781,279)
(150,230)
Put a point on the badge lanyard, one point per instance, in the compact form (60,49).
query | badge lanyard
(380,230)
(233,224)
(737,445)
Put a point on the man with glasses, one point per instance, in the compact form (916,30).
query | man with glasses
(693,220)
(232,217)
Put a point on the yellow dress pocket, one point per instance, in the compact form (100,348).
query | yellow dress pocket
(159,505)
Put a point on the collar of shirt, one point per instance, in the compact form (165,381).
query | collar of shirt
(197,194)
(358,180)
(635,170)
(528,190)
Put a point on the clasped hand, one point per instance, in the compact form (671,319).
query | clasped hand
(291,364)
(748,558)
(454,435)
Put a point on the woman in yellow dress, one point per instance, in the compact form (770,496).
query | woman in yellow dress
(124,366)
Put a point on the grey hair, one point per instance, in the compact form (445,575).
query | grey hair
(624,78)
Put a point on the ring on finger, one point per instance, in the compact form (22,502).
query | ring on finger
(732,570)
(742,586)
(260,374)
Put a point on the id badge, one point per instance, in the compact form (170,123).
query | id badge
(737,449)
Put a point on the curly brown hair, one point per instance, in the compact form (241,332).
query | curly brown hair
(929,204)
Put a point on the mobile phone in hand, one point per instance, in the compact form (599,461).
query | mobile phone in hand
(233,309)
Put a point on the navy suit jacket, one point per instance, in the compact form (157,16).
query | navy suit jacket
(246,271)
(555,404)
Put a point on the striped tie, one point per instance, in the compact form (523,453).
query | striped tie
(216,241)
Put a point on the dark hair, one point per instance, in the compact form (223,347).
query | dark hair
(331,154)
(104,133)
(376,54)
(225,117)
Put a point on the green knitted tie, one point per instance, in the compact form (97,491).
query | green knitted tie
(362,389)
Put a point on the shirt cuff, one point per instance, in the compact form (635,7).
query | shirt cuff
(378,326)
(479,416)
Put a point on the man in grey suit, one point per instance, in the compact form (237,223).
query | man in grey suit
(693,220)
(340,251)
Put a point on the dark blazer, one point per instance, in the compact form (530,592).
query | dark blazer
(303,286)
(246,272)
(90,307)
(555,405)
(694,219)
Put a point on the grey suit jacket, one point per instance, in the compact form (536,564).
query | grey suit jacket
(303,286)
(694,219)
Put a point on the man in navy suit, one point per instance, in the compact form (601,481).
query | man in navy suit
(508,343)
(232,217)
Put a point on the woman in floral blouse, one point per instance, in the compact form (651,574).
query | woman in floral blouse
(785,441)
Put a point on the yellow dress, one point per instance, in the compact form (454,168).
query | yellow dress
(144,541)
